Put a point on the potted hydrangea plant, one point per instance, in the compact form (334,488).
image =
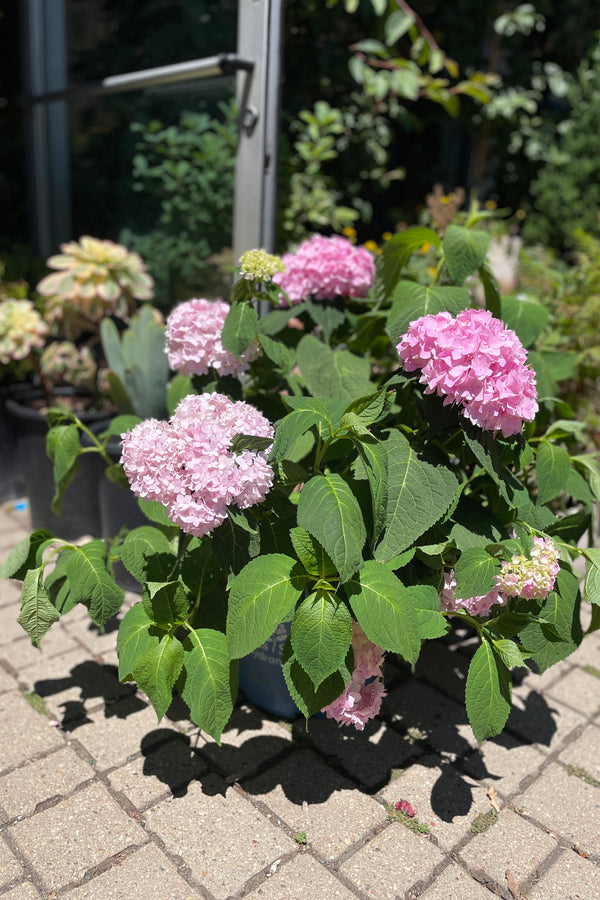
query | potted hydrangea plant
(390,458)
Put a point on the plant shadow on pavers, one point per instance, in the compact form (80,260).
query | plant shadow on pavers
(169,756)
(94,680)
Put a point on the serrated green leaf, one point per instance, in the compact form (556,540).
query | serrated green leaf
(311,554)
(374,456)
(508,652)
(321,635)
(366,410)
(488,693)
(412,300)
(332,373)
(157,669)
(140,548)
(179,387)
(262,595)
(553,464)
(165,604)
(592,575)
(426,602)
(240,327)
(241,442)
(92,584)
(493,299)
(290,428)
(155,512)
(385,610)
(205,685)
(234,543)
(283,357)
(37,612)
(302,690)
(137,633)
(527,318)
(394,256)
(326,316)
(329,511)
(488,452)
(419,493)
(558,633)
(465,250)
(25,555)
(63,448)
(475,572)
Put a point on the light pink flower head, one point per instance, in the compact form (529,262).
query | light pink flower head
(188,466)
(325,268)
(193,339)
(361,700)
(475,606)
(475,362)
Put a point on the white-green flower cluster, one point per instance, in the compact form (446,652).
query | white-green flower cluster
(532,577)
(258,265)
(21,329)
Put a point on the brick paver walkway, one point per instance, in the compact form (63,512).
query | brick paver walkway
(98,801)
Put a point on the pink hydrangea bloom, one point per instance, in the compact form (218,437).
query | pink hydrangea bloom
(326,268)
(193,337)
(187,465)
(360,701)
(475,362)
(531,577)
(475,606)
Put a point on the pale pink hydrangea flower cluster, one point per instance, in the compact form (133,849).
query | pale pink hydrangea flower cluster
(360,701)
(475,606)
(476,362)
(531,577)
(187,465)
(193,339)
(325,268)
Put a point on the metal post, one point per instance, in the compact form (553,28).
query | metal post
(259,37)
(47,125)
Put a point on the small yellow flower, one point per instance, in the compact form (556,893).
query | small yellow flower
(372,247)
(431,271)
(425,248)
(350,233)
(520,214)
(386,235)
(491,204)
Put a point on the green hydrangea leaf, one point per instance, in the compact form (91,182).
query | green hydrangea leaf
(261,596)
(329,510)
(205,681)
(157,669)
(488,693)
(386,610)
(321,635)
(92,583)
(419,493)
(136,635)
(37,612)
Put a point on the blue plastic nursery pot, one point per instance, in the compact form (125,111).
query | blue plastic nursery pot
(261,676)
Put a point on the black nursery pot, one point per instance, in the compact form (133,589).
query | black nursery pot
(12,475)
(81,509)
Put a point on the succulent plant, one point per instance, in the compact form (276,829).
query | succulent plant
(138,366)
(63,362)
(22,329)
(94,278)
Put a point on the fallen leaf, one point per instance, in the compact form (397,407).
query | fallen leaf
(491,792)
